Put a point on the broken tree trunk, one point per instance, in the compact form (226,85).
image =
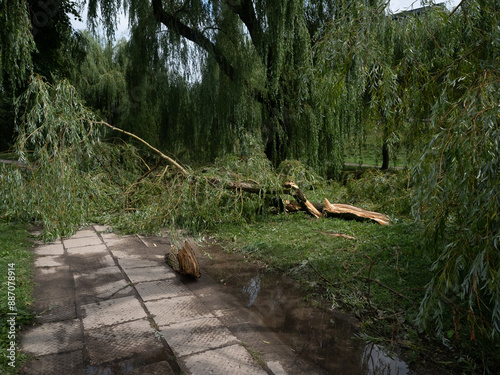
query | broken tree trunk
(184,261)
(291,188)
(346,211)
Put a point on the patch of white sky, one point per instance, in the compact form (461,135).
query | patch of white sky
(122,28)
(396,6)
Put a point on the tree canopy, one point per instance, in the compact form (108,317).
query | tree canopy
(258,52)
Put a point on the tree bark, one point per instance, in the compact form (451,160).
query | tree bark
(291,188)
(385,156)
(194,35)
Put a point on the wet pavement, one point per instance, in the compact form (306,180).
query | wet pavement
(107,304)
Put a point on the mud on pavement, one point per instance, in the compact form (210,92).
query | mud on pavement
(107,304)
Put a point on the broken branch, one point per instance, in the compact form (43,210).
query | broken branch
(161,154)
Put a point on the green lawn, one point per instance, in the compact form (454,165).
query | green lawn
(378,276)
(16,291)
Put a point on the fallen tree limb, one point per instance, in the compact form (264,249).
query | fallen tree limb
(183,261)
(161,154)
(292,189)
(346,211)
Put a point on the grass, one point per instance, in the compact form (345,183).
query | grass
(370,153)
(14,251)
(379,276)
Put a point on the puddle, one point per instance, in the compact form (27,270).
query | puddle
(317,335)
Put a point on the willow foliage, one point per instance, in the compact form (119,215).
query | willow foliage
(235,68)
(459,174)
(16,42)
(433,81)
(72,178)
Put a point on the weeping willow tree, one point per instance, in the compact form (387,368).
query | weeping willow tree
(246,68)
(434,80)
(16,42)
(459,174)
(99,76)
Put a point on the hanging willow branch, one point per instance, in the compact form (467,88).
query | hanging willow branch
(161,154)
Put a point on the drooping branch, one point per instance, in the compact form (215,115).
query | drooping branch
(194,35)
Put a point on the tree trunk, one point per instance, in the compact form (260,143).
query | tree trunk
(385,156)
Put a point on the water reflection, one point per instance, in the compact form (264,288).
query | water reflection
(252,290)
(324,337)
(377,362)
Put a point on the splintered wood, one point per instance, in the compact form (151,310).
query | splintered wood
(346,211)
(184,261)
(299,196)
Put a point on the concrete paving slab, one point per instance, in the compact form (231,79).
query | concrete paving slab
(161,289)
(57,283)
(198,335)
(89,280)
(233,316)
(129,244)
(148,362)
(50,249)
(52,338)
(84,233)
(101,228)
(81,242)
(138,275)
(111,239)
(276,368)
(89,262)
(118,310)
(120,341)
(55,310)
(84,250)
(155,241)
(91,289)
(158,368)
(137,262)
(176,310)
(108,290)
(62,363)
(228,360)
(49,261)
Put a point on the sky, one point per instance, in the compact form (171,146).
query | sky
(395,6)
(400,5)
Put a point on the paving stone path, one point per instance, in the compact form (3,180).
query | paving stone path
(109,305)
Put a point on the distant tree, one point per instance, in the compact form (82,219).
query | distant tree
(32,37)
(262,51)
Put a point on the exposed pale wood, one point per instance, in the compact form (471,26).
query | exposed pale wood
(291,188)
(346,211)
(183,261)
(188,262)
